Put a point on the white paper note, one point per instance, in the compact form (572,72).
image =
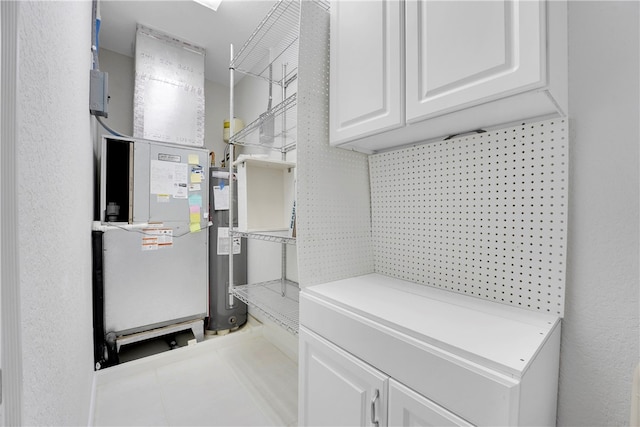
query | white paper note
(221,198)
(169,178)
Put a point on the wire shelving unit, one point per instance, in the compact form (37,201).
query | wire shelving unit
(274,42)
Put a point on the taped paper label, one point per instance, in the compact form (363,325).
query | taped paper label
(223,242)
(169,178)
(221,198)
(156,238)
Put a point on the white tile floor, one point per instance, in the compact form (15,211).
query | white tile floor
(240,379)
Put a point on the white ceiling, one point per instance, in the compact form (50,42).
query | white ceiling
(187,20)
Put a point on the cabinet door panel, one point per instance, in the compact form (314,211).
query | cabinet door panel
(366,50)
(463,53)
(408,408)
(336,389)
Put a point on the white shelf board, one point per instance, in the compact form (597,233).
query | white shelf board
(266,194)
(265,162)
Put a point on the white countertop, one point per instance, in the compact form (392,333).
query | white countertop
(467,326)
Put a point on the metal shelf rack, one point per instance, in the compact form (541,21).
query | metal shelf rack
(249,136)
(277,299)
(274,42)
(275,39)
(269,236)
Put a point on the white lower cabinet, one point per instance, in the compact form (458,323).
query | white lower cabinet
(338,389)
(408,408)
(377,351)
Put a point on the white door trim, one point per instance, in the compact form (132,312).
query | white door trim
(11,342)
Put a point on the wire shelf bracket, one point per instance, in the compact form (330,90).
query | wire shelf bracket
(269,236)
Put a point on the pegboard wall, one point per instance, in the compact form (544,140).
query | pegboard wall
(334,210)
(482,215)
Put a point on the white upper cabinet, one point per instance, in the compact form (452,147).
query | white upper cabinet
(461,66)
(495,48)
(366,51)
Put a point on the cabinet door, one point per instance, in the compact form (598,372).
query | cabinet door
(336,388)
(366,95)
(408,408)
(464,53)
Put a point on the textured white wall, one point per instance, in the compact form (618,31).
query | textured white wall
(216,109)
(600,329)
(55,174)
(600,334)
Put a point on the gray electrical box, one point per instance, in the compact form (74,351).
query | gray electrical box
(99,93)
